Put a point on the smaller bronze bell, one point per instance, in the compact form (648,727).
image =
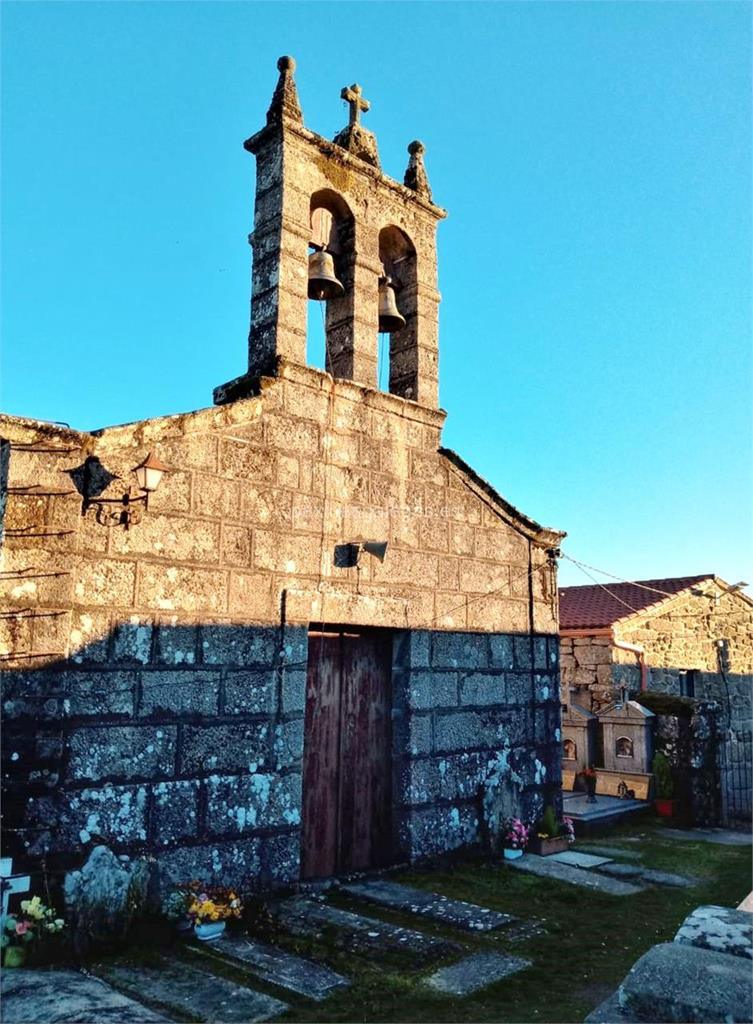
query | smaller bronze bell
(390,317)
(323,283)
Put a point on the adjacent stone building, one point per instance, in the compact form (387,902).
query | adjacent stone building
(690,636)
(237,676)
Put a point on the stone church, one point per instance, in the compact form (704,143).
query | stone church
(289,635)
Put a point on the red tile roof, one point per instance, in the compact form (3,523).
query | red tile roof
(598,606)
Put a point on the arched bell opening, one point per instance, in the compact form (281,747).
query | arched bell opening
(397,313)
(330,282)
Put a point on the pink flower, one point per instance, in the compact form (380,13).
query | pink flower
(22,927)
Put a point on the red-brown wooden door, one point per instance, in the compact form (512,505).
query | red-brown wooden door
(347,762)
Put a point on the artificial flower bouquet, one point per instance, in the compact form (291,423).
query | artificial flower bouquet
(202,904)
(551,834)
(35,922)
(514,834)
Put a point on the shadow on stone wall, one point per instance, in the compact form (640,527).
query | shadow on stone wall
(185,743)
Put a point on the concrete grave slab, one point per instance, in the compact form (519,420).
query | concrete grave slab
(547,867)
(179,987)
(276,966)
(468,916)
(360,934)
(676,982)
(725,837)
(475,972)
(609,851)
(609,1012)
(67,997)
(579,860)
(719,928)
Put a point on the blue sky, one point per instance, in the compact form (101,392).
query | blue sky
(595,267)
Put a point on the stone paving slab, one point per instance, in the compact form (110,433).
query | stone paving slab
(675,982)
(276,966)
(547,868)
(667,878)
(609,851)
(719,928)
(360,934)
(67,997)
(725,837)
(178,986)
(458,913)
(621,870)
(475,972)
(579,860)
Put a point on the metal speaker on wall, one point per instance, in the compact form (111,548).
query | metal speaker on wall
(323,282)
(390,317)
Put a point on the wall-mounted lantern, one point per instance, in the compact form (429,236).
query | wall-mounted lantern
(131,507)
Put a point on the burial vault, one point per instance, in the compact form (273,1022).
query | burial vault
(323,643)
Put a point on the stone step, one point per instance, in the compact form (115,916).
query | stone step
(359,934)
(676,982)
(273,965)
(62,997)
(176,986)
(458,913)
(721,929)
(475,972)
(621,870)
(547,867)
(667,878)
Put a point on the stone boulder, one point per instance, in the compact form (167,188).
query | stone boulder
(103,897)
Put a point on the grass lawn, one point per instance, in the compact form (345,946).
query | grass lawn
(589,944)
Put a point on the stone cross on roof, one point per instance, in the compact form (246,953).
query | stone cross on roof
(353,95)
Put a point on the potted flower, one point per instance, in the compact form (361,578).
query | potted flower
(22,932)
(664,804)
(588,777)
(207,908)
(514,838)
(550,835)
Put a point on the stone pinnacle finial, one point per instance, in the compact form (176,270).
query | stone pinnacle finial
(285,98)
(415,174)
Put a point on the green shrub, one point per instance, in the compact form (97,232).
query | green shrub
(665,786)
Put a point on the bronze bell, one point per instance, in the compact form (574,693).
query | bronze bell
(323,283)
(390,317)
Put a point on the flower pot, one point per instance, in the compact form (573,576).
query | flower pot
(209,930)
(15,956)
(665,808)
(546,847)
(510,854)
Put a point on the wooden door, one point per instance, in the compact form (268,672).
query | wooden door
(347,763)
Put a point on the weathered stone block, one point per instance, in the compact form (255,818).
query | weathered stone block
(251,692)
(110,583)
(177,692)
(168,588)
(227,862)
(293,690)
(280,859)
(213,748)
(175,811)
(520,687)
(420,782)
(415,736)
(501,650)
(440,829)
(177,643)
(287,744)
(482,688)
(122,751)
(523,653)
(248,802)
(460,650)
(66,821)
(433,689)
(132,641)
(240,645)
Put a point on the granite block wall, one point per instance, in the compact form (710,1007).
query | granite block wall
(183,742)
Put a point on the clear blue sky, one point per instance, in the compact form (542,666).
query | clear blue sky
(595,160)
